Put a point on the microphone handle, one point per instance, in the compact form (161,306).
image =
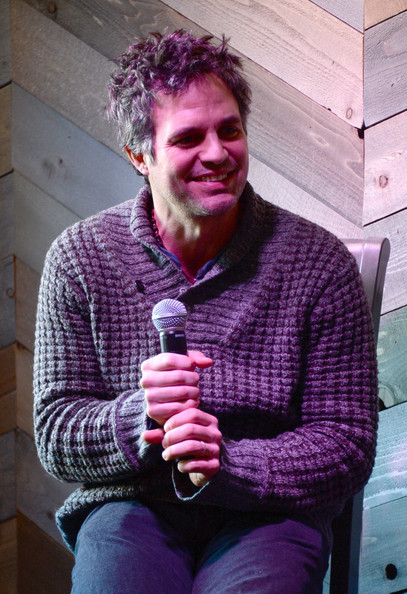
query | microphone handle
(173,341)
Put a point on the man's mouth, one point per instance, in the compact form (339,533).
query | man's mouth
(211,178)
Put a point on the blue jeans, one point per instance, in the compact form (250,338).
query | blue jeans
(127,547)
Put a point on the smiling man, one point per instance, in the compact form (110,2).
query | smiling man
(219,470)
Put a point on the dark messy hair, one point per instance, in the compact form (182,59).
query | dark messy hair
(167,64)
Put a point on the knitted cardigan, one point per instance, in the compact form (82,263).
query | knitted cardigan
(284,317)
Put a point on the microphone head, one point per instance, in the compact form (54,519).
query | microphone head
(169,314)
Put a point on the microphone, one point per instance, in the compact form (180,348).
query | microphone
(169,317)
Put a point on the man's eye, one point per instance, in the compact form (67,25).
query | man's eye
(189,140)
(229,132)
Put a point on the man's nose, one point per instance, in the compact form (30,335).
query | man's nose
(213,150)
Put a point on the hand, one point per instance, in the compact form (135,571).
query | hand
(193,437)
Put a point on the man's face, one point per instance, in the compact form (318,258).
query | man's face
(201,156)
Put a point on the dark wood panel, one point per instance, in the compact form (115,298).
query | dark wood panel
(8,414)
(8,556)
(386,69)
(65,162)
(7,465)
(24,405)
(5,69)
(27,286)
(7,331)
(5,130)
(44,566)
(39,495)
(6,216)
(7,370)
(288,131)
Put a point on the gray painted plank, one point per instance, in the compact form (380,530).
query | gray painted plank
(7,309)
(27,286)
(5,69)
(38,494)
(289,132)
(386,69)
(392,353)
(349,11)
(34,209)
(395,285)
(25,399)
(65,162)
(6,216)
(7,490)
(5,130)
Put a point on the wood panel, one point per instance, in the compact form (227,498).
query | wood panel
(39,495)
(301,47)
(8,556)
(5,74)
(44,567)
(7,466)
(6,216)
(377,10)
(7,332)
(391,353)
(7,412)
(281,117)
(25,400)
(385,69)
(280,191)
(7,370)
(5,129)
(386,168)
(65,162)
(27,286)
(395,286)
(349,11)
(34,209)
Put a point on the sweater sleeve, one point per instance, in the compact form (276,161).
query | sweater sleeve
(84,430)
(328,455)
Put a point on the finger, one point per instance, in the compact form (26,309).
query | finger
(200,360)
(161,412)
(166,394)
(178,377)
(206,467)
(191,416)
(167,362)
(153,436)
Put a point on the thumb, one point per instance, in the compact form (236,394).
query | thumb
(200,360)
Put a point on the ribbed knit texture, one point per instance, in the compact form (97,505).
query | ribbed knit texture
(284,317)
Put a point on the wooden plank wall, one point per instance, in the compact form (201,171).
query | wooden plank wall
(327,137)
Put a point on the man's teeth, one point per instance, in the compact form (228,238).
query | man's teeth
(211,178)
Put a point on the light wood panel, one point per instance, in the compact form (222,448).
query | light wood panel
(25,399)
(349,11)
(34,209)
(38,494)
(5,73)
(65,162)
(8,556)
(27,286)
(7,332)
(386,168)
(306,46)
(6,216)
(44,567)
(7,466)
(377,10)
(280,191)
(5,129)
(395,286)
(385,69)
(391,352)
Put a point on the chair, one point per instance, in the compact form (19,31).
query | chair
(372,256)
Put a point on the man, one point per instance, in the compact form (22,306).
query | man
(220,470)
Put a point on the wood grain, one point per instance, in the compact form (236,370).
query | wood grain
(38,493)
(7,370)
(7,331)
(7,412)
(287,131)
(65,162)
(34,209)
(44,566)
(7,466)
(348,11)
(377,10)
(297,41)
(8,556)
(391,353)
(25,400)
(395,286)
(5,129)
(27,285)
(5,70)
(6,216)
(386,168)
(386,69)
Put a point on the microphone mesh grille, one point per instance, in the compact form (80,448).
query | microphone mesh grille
(169,313)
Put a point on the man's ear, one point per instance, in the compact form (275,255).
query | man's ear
(138,161)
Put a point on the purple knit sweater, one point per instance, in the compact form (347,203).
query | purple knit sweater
(283,316)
